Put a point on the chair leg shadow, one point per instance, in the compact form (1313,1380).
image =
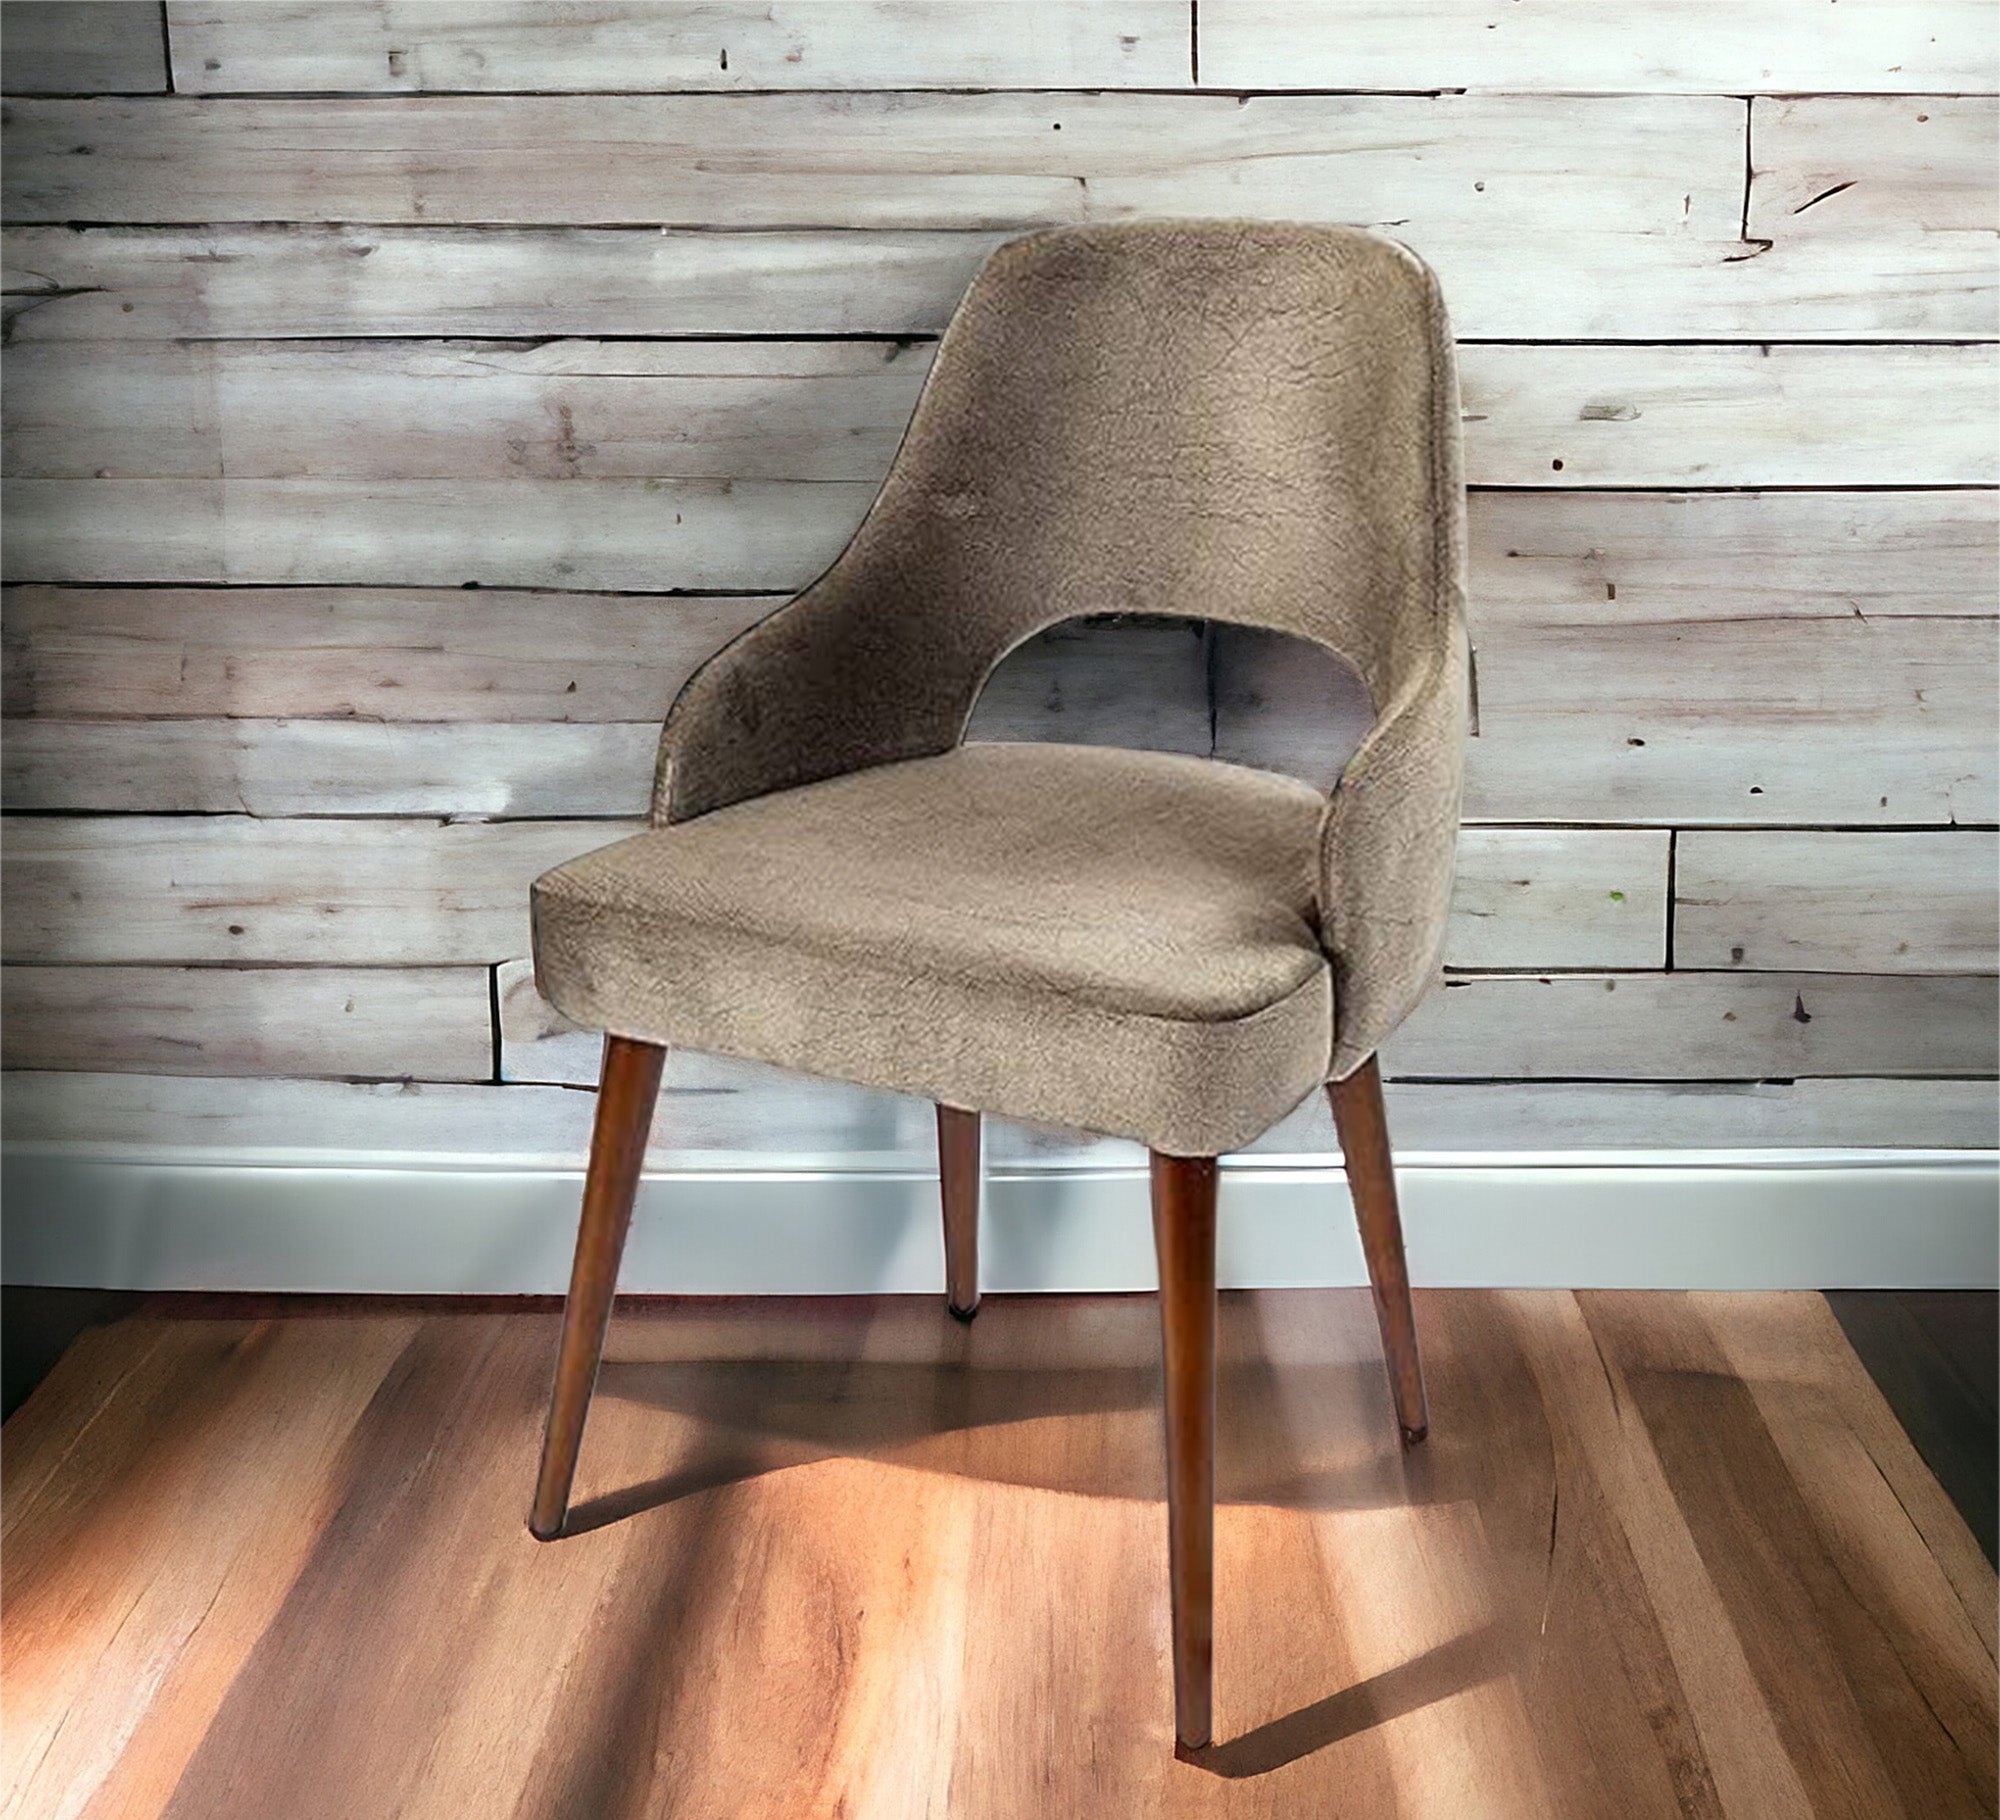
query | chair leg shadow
(1451,1668)
(727,1467)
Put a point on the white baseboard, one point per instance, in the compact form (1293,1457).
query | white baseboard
(1793,1221)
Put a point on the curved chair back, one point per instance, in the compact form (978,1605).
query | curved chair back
(1254,422)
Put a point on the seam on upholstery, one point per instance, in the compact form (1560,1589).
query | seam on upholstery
(961,311)
(1444,584)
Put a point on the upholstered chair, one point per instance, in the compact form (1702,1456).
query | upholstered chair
(1224,420)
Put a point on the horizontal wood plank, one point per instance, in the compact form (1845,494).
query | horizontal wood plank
(400,654)
(82,47)
(1726,46)
(327,891)
(1547,216)
(1662,168)
(248,282)
(397,410)
(222,47)
(1727,417)
(120,283)
(320,892)
(1560,417)
(1701,1026)
(1589,561)
(704,535)
(715,1113)
(1882,207)
(1573,897)
(1730,658)
(1838,903)
(508,769)
(380,1023)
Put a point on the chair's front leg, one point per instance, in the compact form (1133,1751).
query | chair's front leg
(1184,1237)
(1371,1175)
(626,1093)
(958,1188)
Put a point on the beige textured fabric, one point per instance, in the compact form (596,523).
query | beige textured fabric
(1120,940)
(1240,421)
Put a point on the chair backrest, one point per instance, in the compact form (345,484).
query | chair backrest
(1246,421)
(1231,420)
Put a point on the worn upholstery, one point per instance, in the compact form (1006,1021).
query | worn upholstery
(1239,421)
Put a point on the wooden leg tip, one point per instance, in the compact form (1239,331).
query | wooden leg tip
(962,1315)
(1189,1750)
(545,1533)
(1412,1436)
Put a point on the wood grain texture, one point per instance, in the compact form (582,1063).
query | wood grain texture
(722,1114)
(1883,206)
(1662,1555)
(82,47)
(1574,897)
(316,892)
(407,46)
(961,1158)
(1935,1353)
(398,410)
(329,767)
(1701,46)
(622,1119)
(1545,416)
(1184,1198)
(901,161)
(118,283)
(1837,903)
(1361,1123)
(377,1023)
(701,535)
(1738,417)
(395,654)
(1701,1026)
(326,279)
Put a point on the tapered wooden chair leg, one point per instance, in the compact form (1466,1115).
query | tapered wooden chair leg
(1184,1237)
(958,1184)
(1371,1174)
(626,1094)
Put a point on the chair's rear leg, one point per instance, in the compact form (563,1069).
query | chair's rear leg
(1184,1237)
(1371,1175)
(958,1185)
(626,1094)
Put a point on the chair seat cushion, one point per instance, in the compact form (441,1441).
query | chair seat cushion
(1118,941)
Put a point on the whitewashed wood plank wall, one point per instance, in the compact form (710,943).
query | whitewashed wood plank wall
(403,397)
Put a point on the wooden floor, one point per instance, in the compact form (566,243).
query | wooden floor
(1662,1554)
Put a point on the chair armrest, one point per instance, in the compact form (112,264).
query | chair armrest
(827,684)
(1387,852)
